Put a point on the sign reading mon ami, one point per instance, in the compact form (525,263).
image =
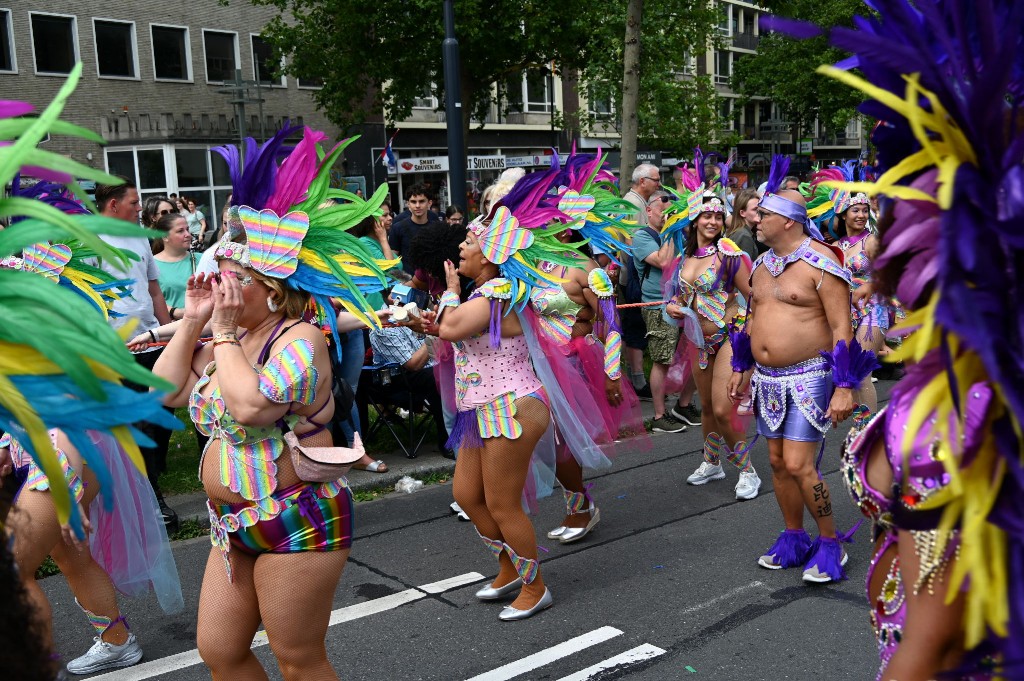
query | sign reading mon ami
(439,164)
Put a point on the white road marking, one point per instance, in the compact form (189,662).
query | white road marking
(165,665)
(638,654)
(548,655)
(451,583)
(735,592)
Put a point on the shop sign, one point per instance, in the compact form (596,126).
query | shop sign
(486,163)
(427,164)
(527,161)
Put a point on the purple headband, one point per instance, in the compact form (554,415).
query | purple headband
(790,210)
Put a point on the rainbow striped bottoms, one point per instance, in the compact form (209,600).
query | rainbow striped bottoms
(313,520)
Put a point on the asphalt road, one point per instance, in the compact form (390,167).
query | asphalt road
(667,587)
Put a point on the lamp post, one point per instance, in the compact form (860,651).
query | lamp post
(453,110)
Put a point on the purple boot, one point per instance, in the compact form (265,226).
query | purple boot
(789,550)
(826,562)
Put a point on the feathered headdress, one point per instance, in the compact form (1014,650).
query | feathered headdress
(69,375)
(829,199)
(587,195)
(780,204)
(947,78)
(296,226)
(521,231)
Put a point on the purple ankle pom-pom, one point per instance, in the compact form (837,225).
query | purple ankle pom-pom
(827,557)
(742,355)
(791,548)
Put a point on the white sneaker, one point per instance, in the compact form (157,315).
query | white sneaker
(105,655)
(457,510)
(748,485)
(706,472)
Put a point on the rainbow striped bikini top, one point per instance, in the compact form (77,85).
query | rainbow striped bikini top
(248,453)
(710,298)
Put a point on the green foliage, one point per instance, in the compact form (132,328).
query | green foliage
(358,47)
(392,49)
(784,68)
(190,528)
(675,112)
(47,569)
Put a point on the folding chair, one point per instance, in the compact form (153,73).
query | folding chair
(385,385)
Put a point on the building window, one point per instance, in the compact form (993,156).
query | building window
(54,43)
(537,93)
(425,99)
(511,95)
(172,58)
(7,61)
(221,56)
(311,83)
(723,66)
(599,102)
(115,48)
(263,62)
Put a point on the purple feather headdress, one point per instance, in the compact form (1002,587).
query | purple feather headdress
(778,171)
(254,177)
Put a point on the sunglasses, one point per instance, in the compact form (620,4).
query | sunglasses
(166,212)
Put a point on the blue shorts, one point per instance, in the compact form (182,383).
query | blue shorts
(792,402)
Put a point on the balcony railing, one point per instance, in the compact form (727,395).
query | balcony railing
(840,140)
(745,41)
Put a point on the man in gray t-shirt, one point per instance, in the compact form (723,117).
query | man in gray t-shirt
(650,257)
(146,307)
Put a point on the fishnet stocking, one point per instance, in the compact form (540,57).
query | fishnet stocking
(489,485)
(294,612)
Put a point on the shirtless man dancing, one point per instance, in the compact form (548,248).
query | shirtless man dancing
(798,394)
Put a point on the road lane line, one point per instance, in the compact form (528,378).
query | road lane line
(548,655)
(731,594)
(451,583)
(171,663)
(638,654)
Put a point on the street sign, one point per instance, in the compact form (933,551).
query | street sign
(805,147)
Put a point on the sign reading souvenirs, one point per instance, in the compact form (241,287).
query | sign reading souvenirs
(427,164)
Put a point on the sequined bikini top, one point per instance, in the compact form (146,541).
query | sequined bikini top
(248,453)
(710,299)
(557,312)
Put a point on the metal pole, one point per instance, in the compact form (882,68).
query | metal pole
(453,110)
(241,106)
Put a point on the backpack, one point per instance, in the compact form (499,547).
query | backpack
(634,280)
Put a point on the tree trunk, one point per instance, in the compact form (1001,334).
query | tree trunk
(630,90)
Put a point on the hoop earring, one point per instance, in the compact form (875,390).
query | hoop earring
(271,305)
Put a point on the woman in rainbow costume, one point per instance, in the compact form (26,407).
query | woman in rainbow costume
(280,508)
(578,317)
(504,401)
(62,406)
(702,289)
(940,469)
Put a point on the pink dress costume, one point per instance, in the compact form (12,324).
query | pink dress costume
(129,540)
(489,377)
(301,517)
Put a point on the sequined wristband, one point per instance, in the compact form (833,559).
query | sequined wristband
(447,299)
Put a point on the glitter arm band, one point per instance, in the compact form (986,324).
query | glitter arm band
(850,365)
(742,355)
(601,286)
(613,355)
